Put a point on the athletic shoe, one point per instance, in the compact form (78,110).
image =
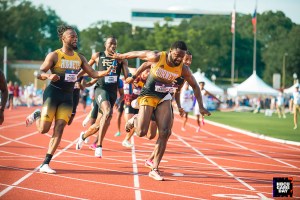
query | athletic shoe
(183,129)
(98,152)
(198,129)
(32,117)
(130,123)
(117,134)
(155,174)
(149,164)
(46,169)
(80,141)
(86,120)
(126,143)
(93,146)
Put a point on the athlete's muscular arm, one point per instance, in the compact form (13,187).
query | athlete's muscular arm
(143,67)
(152,56)
(177,100)
(213,96)
(49,62)
(125,68)
(90,71)
(91,82)
(187,74)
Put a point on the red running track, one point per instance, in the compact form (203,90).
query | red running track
(214,164)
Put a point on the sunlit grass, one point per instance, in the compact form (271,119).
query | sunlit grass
(260,124)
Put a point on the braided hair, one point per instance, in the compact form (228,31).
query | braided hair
(63,28)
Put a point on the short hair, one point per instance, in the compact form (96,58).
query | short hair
(202,82)
(63,28)
(111,37)
(179,45)
(188,53)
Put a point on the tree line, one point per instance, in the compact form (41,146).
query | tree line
(29,32)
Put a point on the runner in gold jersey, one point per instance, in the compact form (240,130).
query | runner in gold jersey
(155,95)
(64,65)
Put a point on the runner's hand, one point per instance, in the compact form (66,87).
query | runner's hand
(54,77)
(181,112)
(129,80)
(204,112)
(109,69)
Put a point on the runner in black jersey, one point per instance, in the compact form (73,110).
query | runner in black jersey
(106,89)
(64,64)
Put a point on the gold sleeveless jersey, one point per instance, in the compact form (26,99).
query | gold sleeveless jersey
(67,68)
(161,77)
(163,72)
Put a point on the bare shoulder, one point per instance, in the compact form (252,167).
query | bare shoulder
(186,71)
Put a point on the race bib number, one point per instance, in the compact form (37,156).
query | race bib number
(136,91)
(71,76)
(110,79)
(164,88)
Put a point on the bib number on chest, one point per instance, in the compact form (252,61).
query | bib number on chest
(71,76)
(164,88)
(110,79)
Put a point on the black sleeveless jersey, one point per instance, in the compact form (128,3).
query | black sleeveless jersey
(109,82)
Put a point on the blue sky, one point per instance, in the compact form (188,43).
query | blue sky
(83,13)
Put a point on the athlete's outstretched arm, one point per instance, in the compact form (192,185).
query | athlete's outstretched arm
(177,100)
(188,76)
(143,67)
(125,68)
(90,71)
(152,56)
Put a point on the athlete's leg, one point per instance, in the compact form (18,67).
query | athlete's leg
(105,121)
(184,120)
(143,120)
(163,114)
(152,130)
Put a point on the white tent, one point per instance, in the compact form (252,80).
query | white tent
(209,86)
(252,86)
(291,89)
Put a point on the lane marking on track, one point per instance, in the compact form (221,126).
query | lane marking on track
(39,191)
(177,174)
(3,192)
(110,184)
(214,163)
(136,181)
(248,149)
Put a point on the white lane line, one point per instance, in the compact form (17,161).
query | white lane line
(19,138)
(137,191)
(12,125)
(113,185)
(246,148)
(3,192)
(39,191)
(215,164)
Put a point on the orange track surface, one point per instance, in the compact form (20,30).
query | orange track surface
(214,164)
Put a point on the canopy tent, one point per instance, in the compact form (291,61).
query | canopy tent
(209,86)
(252,86)
(291,89)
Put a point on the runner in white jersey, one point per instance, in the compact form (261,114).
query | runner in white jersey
(296,102)
(187,102)
(205,95)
